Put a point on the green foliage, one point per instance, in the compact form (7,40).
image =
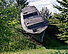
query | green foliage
(8,20)
(62,19)
(45,13)
(11,39)
(63,7)
(48,15)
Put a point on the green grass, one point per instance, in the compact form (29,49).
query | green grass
(39,51)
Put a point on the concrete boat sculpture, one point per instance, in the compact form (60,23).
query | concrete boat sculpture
(32,21)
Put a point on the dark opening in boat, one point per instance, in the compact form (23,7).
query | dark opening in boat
(29,15)
(35,26)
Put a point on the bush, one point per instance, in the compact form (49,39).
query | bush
(10,38)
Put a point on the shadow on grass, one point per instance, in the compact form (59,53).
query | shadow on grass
(51,41)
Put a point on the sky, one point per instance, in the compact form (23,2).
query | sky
(44,3)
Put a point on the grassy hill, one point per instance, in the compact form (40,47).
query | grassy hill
(18,41)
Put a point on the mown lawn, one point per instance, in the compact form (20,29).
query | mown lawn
(38,51)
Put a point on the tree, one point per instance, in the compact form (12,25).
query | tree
(22,3)
(48,15)
(45,12)
(63,19)
(63,7)
(6,3)
(2,3)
